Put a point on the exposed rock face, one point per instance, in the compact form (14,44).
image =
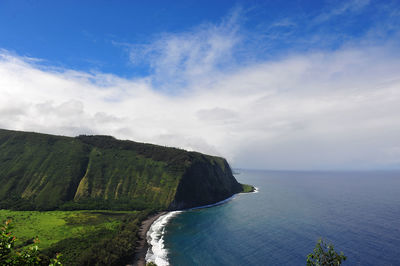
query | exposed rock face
(206,181)
(39,171)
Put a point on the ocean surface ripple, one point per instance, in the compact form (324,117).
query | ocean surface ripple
(359,212)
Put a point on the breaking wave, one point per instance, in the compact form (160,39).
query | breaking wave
(157,253)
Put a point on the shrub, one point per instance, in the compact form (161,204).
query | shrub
(9,255)
(325,255)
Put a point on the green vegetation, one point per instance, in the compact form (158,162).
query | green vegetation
(87,196)
(325,255)
(83,237)
(55,226)
(45,172)
(247,188)
(12,255)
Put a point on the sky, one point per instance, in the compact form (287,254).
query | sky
(294,85)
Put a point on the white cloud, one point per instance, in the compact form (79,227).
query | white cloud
(182,60)
(318,110)
(350,6)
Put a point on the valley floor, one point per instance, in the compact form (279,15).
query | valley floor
(109,237)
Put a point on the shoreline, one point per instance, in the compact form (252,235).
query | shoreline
(143,246)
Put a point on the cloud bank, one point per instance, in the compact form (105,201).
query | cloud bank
(335,109)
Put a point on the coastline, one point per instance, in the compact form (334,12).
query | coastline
(143,245)
(141,249)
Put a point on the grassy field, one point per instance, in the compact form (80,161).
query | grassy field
(80,236)
(54,226)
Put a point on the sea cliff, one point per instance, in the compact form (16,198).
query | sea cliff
(47,172)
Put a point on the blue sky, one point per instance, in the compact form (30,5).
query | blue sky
(258,82)
(95,35)
(98,35)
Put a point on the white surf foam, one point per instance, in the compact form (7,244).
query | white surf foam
(157,253)
(256,190)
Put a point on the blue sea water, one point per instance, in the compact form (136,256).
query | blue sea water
(359,212)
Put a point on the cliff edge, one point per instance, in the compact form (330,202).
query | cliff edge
(46,172)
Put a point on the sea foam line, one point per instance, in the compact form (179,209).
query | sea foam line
(157,252)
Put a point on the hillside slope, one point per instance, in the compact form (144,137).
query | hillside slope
(45,172)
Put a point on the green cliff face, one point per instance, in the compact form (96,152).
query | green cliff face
(206,181)
(44,172)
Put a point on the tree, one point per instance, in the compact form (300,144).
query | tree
(10,256)
(325,255)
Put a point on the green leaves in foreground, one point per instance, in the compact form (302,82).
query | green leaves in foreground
(10,256)
(325,255)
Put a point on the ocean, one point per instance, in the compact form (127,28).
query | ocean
(359,212)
